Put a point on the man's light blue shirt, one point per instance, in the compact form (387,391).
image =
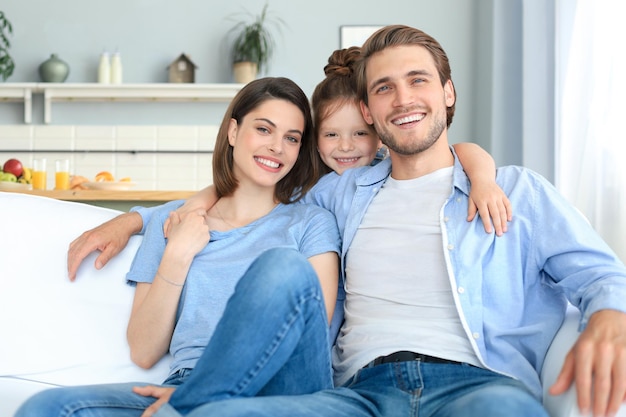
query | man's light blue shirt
(511,292)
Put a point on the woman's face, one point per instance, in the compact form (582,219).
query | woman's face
(266,142)
(345,141)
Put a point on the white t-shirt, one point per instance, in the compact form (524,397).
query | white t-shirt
(399,295)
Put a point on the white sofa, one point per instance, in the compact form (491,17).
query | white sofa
(54,332)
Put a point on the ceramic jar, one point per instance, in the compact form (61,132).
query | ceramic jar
(54,70)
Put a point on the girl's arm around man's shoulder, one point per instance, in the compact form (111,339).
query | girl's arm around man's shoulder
(333,190)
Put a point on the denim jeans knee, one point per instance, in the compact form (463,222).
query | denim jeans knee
(271,340)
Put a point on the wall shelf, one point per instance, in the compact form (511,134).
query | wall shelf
(19,92)
(108,92)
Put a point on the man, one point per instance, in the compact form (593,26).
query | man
(442,319)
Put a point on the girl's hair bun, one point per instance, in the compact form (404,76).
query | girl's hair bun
(341,62)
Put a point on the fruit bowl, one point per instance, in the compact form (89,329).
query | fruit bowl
(109,185)
(14,186)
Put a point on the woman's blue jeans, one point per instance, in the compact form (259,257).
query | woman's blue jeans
(271,340)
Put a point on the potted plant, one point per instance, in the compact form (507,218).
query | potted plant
(254,44)
(6,62)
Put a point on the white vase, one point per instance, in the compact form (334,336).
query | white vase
(244,72)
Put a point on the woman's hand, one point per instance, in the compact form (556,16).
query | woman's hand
(201,201)
(489,201)
(189,232)
(162,394)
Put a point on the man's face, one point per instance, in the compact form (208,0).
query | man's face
(407,103)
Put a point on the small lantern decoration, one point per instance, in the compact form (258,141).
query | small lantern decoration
(182,70)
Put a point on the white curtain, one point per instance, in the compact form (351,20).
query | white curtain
(591,113)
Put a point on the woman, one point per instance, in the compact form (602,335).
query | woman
(265,155)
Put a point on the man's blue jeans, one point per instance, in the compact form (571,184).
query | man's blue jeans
(271,340)
(402,389)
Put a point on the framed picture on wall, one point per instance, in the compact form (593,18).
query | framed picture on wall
(355,35)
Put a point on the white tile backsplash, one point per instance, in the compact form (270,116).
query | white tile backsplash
(17,131)
(21,138)
(150,171)
(16,144)
(177,138)
(42,132)
(94,137)
(206,137)
(87,133)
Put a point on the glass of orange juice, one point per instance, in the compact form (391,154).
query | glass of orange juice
(39,178)
(62,174)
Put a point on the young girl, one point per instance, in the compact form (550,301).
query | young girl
(344,140)
(264,156)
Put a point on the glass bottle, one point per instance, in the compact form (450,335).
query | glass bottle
(116,68)
(104,69)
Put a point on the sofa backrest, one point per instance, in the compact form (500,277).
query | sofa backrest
(53,330)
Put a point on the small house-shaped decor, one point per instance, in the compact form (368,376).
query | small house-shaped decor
(182,70)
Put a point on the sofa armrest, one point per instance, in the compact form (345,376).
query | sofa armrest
(563,405)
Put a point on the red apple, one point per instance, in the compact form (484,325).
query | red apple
(14,167)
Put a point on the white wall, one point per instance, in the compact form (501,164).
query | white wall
(483,39)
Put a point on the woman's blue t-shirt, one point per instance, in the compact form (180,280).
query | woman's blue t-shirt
(218,267)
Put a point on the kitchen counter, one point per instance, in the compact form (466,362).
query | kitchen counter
(119,200)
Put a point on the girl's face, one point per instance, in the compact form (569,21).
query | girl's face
(345,141)
(266,142)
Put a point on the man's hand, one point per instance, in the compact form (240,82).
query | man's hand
(162,394)
(597,365)
(109,238)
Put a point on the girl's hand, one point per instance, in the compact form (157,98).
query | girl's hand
(488,199)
